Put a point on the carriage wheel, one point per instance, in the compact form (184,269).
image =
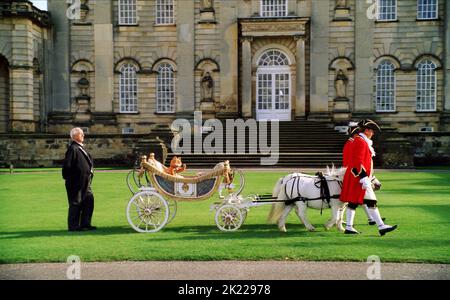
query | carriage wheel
(135,183)
(132,184)
(173,210)
(229,218)
(147,211)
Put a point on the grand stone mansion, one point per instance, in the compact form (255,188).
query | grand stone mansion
(124,67)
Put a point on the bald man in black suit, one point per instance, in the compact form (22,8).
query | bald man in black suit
(78,172)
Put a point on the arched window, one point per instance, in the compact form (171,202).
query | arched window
(128,87)
(427,9)
(387,10)
(274,8)
(127,12)
(165,12)
(273,58)
(385,87)
(165,89)
(273,89)
(426,86)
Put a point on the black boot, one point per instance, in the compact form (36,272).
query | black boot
(386,230)
(351,231)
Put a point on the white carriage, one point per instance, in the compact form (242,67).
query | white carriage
(156,193)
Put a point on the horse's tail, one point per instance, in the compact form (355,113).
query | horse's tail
(277,188)
(275,212)
(277,208)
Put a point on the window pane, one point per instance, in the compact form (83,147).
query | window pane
(165,90)
(426,86)
(165,12)
(127,12)
(427,9)
(274,8)
(128,89)
(387,10)
(385,87)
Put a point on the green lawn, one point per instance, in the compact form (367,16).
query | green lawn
(33,212)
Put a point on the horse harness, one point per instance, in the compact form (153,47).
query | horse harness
(322,185)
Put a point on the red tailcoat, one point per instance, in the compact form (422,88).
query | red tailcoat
(347,152)
(356,157)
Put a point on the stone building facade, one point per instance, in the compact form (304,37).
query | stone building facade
(24,39)
(308,41)
(126,66)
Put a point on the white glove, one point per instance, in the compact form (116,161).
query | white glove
(366,184)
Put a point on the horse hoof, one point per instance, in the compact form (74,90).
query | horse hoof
(312,229)
(282,228)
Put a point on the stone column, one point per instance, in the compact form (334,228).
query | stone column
(300,106)
(319,59)
(363,54)
(104,56)
(292,8)
(228,57)
(246,77)
(21,77)
(185,58)
(59,65)
(256,6)
(447,58)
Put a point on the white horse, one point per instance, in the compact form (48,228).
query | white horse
(306,186)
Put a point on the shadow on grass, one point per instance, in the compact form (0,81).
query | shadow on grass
(102,231)
(175,232)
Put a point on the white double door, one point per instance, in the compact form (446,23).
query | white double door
(273,94)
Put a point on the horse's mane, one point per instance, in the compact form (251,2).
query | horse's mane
(333,171)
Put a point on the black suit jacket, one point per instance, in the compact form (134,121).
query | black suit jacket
(77,172)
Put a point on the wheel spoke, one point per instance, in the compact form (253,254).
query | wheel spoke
(138,216)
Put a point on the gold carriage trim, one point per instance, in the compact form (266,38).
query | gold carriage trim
(190,185)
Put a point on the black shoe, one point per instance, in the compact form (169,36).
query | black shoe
(89,228)
(78,229)
(350,232)
(386,230)
(373,222)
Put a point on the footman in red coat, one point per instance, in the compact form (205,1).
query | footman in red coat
(357,157)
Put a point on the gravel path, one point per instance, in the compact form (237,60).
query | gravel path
(227,270)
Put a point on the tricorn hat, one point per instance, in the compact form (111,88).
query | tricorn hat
(369,124)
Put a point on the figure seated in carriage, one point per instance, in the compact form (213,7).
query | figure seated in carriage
(176,166)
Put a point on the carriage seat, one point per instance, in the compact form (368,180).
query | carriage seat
(156,168)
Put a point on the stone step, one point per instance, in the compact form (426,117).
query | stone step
(301,143)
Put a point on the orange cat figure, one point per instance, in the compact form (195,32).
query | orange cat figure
(176,166)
